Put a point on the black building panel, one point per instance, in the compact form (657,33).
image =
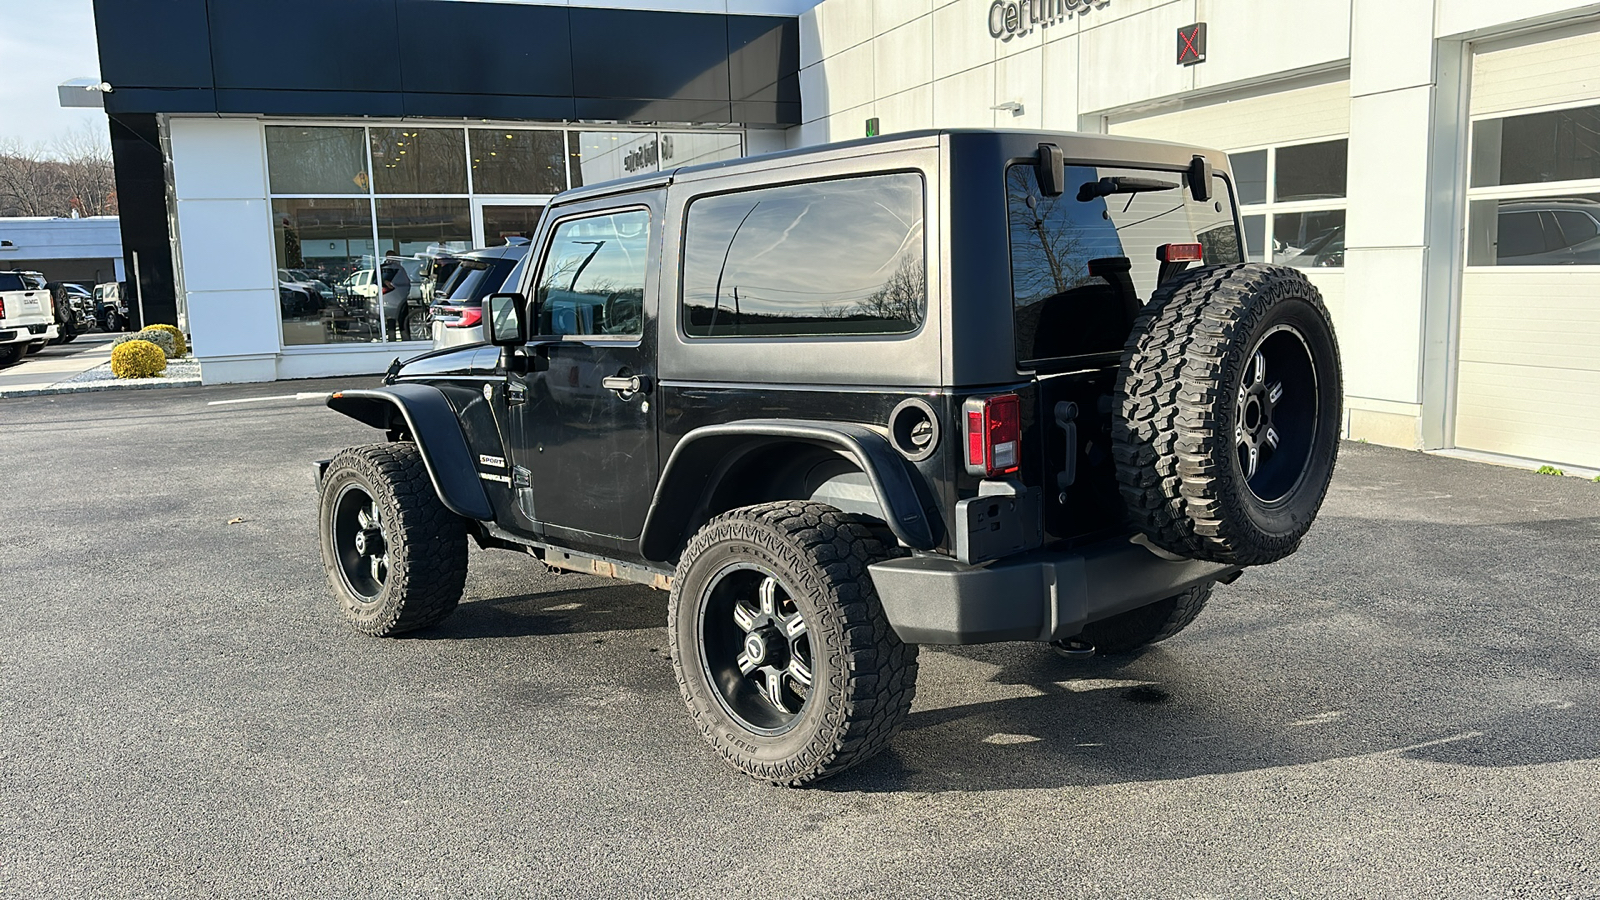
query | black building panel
(142,199)
(153,43)
(310,103)
(764,59)
(487,106)
(621,53)
(308,45)
(635,109)
(487,48)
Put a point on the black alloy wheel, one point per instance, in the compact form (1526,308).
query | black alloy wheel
(1276,418)
(359,543)
(755,644)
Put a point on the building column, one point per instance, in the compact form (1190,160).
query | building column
(1400,256)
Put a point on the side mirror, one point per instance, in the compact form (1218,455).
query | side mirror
(1200,174)
(502,326)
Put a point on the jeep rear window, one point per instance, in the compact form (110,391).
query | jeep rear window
(825,258)
(1081,269)
(474,278)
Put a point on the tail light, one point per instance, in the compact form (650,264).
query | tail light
(1184,253)
(2,309)
(994,435)
(471,316)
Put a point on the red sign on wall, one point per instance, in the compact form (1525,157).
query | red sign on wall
(1192,44)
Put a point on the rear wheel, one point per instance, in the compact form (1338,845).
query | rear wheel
(1141,627)
(395,556)
(781,648)
(1229,405)
(418,326)
(11,354)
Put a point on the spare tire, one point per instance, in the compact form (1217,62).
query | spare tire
(1229,407)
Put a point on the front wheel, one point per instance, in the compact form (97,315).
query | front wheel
(394,555)
(781,648)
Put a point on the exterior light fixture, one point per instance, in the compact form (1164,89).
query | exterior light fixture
(1011,106)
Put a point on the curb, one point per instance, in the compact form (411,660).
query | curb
(95,387)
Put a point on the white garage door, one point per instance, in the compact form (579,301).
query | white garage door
(1289,151)
(1529,366)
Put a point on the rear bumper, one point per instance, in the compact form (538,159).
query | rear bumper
(1038,596)
(31,333)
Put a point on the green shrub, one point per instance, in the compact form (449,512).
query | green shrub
(1548,470)
(182,346)
(162,339)
(137,359)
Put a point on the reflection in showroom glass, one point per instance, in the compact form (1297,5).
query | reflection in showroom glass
(1543,231)
(324,252)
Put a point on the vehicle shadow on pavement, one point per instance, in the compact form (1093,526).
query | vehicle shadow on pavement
(1153,718)
(578,609)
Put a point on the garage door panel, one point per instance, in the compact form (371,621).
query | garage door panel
(1286,117)
(1331,287)
(1528,411)
(1539,70)
(1531,319)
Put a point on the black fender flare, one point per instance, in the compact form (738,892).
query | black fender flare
(432,424)
(696,460)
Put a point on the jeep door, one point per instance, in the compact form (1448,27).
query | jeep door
(583,420)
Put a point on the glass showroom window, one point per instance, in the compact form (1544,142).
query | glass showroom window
(1296,194)
(362,214)
(1534,194)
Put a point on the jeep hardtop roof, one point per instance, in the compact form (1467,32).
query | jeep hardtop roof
(1076,146)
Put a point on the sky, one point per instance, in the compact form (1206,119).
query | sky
(43,43)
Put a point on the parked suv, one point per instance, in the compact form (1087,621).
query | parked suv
(939,388)
(27,316)
(457,311)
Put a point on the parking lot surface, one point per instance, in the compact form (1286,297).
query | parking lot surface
(1409,707)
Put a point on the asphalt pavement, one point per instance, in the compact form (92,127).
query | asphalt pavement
(1409,707)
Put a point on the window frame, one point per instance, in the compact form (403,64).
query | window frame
(1543,190)
(1272,207)
(548,240)
(927,259)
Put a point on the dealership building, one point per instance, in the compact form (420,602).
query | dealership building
(1432,165)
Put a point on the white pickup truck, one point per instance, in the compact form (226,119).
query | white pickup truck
(27,316)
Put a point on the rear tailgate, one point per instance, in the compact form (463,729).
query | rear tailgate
(1083,264)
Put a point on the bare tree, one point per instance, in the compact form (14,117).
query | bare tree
(902,297)
(72,175)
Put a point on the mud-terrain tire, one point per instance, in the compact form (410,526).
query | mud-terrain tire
(1229,403)
(1152,624)
(744,582)
(395,556)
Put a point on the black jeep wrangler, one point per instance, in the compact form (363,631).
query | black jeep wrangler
(940,388)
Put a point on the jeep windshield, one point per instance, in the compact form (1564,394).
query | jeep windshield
(1084,263)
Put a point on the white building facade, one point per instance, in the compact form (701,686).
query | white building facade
(1433,165)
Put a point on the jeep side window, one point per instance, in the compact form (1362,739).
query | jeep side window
(593,277)
(840,257)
